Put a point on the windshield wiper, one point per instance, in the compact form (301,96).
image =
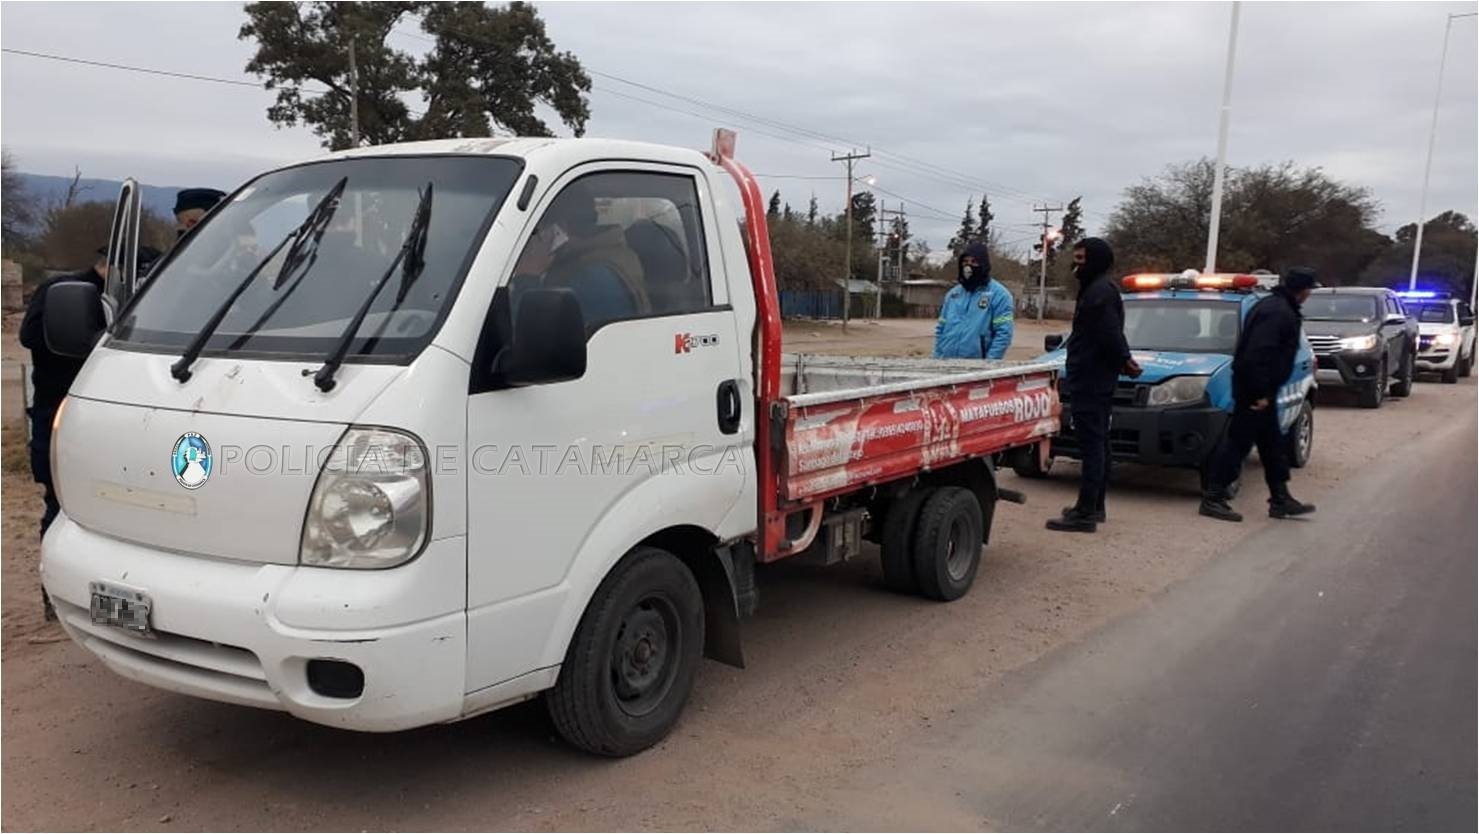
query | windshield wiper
(411,259)
(311,227)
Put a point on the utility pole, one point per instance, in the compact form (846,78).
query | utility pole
(883,215)
(882,255)
(848,159)
(1422,210)
(353,97)
(1042,280)
(1219,176)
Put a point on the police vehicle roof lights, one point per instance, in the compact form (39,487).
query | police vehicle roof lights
(1424,294)
(1190,280)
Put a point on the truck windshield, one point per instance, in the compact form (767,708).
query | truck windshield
(1332,307)
(1435,313)
(1182,326)
(306,314)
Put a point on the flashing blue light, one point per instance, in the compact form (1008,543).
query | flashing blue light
(1418,294)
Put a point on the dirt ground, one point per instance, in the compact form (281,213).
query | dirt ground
(843,675)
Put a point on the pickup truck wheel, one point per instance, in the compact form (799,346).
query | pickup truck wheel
(1450,376)
(898,539)
(1372,395)
(1302,437)
(631,665)
(1465,366)
(1403,386)
(948,543)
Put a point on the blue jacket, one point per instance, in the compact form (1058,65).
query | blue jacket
(974,325)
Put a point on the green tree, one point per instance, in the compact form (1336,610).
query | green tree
(1072,230)
(967,231)
(1449,245)
(774,209)
(488,67)
(811,211)
(73,233)
(984,218)
(18,204)
(1273,216)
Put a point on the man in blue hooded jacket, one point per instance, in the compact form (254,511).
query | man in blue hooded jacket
(976,316)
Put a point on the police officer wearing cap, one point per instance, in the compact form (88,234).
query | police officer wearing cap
(1262,362)
(192,204)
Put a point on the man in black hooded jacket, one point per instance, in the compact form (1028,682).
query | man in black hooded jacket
(1262,363)
(1097,355)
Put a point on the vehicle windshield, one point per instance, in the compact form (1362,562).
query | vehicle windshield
(1435,313)
(1332,307)
(307,314)
(1183,326)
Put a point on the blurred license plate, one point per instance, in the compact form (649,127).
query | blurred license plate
(121,607)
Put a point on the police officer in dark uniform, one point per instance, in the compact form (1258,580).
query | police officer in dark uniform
(1262,363)
(52,374)
(192,204)
(1097,355)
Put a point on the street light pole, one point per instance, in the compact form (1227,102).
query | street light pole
(1422,209)
(1219,177)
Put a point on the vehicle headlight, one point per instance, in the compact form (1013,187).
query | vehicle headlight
(1179,390)
(1446,339)
(1366,342)
(371,503)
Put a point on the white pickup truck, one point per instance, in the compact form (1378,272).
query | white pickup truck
(411,433)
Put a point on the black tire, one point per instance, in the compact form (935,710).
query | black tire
(948,543)
(1465,366)
(1372,395)
(1450,376)
(898,540)
(1027,463)
(1402,387)
(1302,437)
(608,699)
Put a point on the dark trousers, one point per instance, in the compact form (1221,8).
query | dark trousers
(1246,429)
(41,417)
(1091,428)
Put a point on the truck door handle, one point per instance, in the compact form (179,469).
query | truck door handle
(730,406)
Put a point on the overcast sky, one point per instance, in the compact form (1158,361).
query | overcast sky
(1044,101)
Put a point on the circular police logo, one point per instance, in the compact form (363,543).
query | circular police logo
(982,302)
(191,460)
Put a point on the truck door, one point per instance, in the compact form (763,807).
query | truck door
(123,249)
(565,477)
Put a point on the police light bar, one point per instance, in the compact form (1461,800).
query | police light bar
(1422,294)
(1145,282)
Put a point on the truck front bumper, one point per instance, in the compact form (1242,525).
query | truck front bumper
(1435,357)
(1348,369)
(218,630)
(1178,436)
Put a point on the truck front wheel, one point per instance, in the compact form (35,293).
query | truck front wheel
(1372,395)
(948,543)
(1033,461)
(1302,437)
(630,668)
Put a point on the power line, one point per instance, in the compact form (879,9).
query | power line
(146,70)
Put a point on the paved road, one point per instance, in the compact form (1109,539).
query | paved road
(1319,676)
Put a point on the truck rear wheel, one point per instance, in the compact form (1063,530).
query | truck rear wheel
(1032,461)
(630,668)
(948,543)
(898,540)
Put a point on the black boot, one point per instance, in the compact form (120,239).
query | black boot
(1097,516)
(1214,505)
(1073,520)
(1285,505)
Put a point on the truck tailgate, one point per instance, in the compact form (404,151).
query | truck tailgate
(838,441)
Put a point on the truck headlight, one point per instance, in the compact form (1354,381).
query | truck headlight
(1446,339)
(1179,390)
(371,504)
(1366,342)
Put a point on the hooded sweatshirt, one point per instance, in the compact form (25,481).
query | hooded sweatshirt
(1097,350)
(976,315)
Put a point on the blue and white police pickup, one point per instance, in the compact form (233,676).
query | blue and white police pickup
(1182,330)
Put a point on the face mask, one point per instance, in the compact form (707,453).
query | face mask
(965,272)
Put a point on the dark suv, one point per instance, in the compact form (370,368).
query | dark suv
(1364,339)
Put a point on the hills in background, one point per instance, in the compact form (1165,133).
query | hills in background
(48,190)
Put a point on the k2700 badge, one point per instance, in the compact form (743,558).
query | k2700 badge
(686,342)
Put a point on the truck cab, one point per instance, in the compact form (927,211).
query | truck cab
(410,433)
(1445,326)
(1364,340)
(1182,329)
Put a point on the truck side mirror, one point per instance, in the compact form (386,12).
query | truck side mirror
(1466,321)
(1396,318)
(1052,341)
(548,342)
(74,319)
